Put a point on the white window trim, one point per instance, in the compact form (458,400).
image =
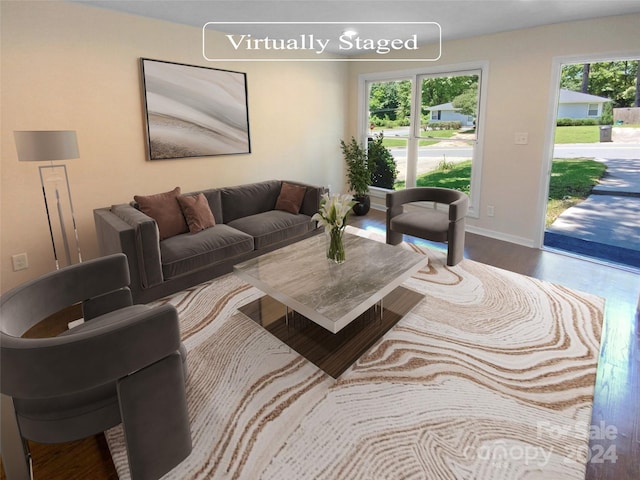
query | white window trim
(413,75)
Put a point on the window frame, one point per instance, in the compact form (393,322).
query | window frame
(415,76)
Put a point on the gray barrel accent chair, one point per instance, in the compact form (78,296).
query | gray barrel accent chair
(429,223)
(125,364)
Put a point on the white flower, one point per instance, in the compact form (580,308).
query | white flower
(334,210)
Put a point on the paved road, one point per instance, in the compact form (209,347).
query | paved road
(429,157)
(598,150)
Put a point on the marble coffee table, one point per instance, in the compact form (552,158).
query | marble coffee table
(331,295)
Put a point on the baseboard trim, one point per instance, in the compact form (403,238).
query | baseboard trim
(505,237)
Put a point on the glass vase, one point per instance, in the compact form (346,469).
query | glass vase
(335,247)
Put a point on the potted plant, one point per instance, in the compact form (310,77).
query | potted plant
(358,174)
(381,162)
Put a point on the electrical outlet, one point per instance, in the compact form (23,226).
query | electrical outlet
(20,261)
(490,211)
(521,138)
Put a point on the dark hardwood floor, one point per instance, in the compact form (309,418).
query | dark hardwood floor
(617,396)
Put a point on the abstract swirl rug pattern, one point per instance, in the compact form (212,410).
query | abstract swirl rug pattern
(491,376)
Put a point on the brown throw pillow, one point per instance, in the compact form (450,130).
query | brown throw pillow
(165,210)
(197,212)
(290,198)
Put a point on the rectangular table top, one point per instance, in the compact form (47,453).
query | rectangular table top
(332,295)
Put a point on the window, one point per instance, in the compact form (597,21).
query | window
(431,121)
(593,110)
(389,112)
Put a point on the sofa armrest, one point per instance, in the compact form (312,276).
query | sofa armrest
(123,228)
(311,202)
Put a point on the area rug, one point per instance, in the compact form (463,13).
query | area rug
(491,376)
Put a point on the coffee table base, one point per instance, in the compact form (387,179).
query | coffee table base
(332,352)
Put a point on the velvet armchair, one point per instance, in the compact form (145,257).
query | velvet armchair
(124,364)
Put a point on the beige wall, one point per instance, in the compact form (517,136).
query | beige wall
(67,66)
(519,88)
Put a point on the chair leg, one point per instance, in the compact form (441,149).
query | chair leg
(393,238)
(453,258)
(154,413)
(455,243)
(16,458)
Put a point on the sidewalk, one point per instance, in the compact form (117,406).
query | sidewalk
(607,224)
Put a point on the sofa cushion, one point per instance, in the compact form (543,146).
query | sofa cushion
(290,198)
(246,200)
(165,210)
(197,212)
(273,227)
(185,253)
(214,198)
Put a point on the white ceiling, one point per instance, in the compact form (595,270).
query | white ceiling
(457,18)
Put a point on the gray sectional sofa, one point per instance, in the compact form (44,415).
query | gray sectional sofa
(247,224)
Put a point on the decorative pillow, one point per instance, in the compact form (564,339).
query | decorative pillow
(165,210)
(197,212)
(290,198)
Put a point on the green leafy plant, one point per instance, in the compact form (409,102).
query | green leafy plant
(444,166)
(358,168)
(382,163)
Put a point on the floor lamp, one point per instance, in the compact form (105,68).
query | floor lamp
(47,146)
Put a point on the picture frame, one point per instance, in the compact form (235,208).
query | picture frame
(194,111)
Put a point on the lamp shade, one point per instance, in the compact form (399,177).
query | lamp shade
(46,145)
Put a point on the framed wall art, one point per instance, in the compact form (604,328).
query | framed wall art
(194,111)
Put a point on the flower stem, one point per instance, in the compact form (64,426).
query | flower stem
(335,251)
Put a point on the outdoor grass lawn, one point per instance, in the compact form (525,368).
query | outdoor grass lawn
(456,176)
(581,134)
(571,181)
(402,142)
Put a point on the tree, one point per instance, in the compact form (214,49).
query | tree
(467,102)
(585,78)
(404,100)
(614,80)
(384,99)
(637,100)
(439,90)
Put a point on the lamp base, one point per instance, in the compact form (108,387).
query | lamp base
(60,215)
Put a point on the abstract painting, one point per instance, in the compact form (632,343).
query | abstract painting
(194,111)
